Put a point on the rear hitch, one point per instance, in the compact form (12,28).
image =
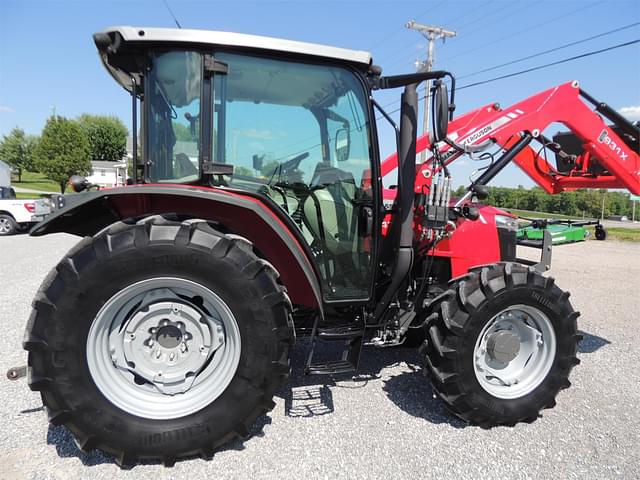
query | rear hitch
(16,373)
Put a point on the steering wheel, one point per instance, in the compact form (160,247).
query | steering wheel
(293,163)
(288,167)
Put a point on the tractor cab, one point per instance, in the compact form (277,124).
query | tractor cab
(285,121)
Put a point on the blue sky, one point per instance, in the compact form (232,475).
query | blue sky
(47,57)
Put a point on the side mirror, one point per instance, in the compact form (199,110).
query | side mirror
(439,111)
(258,160)
(78,183)
(343,144)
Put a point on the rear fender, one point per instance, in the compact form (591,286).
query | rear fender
(242,214)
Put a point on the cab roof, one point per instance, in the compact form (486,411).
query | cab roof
(228,39)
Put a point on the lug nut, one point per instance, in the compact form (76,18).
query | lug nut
(150,342)
(172,356)
(183,347)
(158,353)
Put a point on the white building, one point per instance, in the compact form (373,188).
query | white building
(5,174)
(108,174)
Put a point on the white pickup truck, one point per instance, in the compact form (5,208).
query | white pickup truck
(17,214)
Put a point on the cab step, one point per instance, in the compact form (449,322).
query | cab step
(331,368)
(351,335)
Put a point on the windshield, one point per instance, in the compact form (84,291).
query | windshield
(276,121)
(173,112)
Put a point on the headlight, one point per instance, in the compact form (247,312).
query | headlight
(508,223)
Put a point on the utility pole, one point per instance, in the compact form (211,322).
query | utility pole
(431,33)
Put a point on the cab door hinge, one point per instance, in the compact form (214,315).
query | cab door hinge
(211,66)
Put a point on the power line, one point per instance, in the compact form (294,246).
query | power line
(555,49)
(404,58)
(522,72)
(499,19)
(470,12)
(540,67)
(399,29)
(487,14)
(520,32)
(166,4)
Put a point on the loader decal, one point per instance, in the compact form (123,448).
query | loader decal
(606,139)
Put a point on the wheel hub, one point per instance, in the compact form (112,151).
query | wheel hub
(514,351)
(166,343)
(169,336)
(503,346)
(163,347)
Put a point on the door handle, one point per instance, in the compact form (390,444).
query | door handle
(365,221)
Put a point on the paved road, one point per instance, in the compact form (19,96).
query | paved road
(388,427)
(616,224)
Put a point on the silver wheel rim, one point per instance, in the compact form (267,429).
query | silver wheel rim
(514,352)
(5,226)
(163,348)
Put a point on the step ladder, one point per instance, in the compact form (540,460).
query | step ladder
(353,338)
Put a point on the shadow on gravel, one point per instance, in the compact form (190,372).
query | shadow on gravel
(66,447)
(411,391)
(591,343)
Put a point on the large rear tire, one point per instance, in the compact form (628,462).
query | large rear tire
(500,344)
(159,340)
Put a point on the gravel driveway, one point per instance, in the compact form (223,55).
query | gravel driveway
(389,426)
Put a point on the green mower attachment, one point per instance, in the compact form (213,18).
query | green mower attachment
(562,231)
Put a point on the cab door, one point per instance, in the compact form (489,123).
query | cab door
(300,133)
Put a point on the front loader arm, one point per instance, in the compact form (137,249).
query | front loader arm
(619,163)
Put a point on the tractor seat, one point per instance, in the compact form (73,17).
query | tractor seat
(329,210)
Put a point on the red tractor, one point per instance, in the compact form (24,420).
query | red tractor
(255,217)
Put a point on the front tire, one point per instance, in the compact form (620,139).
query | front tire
(500,344)
(159,340)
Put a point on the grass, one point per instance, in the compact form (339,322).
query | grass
(621,234)
(29,196)
(37,181)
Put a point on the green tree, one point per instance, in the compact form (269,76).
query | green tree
(16,149)
(183,133)
(63,150)
(107,136)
